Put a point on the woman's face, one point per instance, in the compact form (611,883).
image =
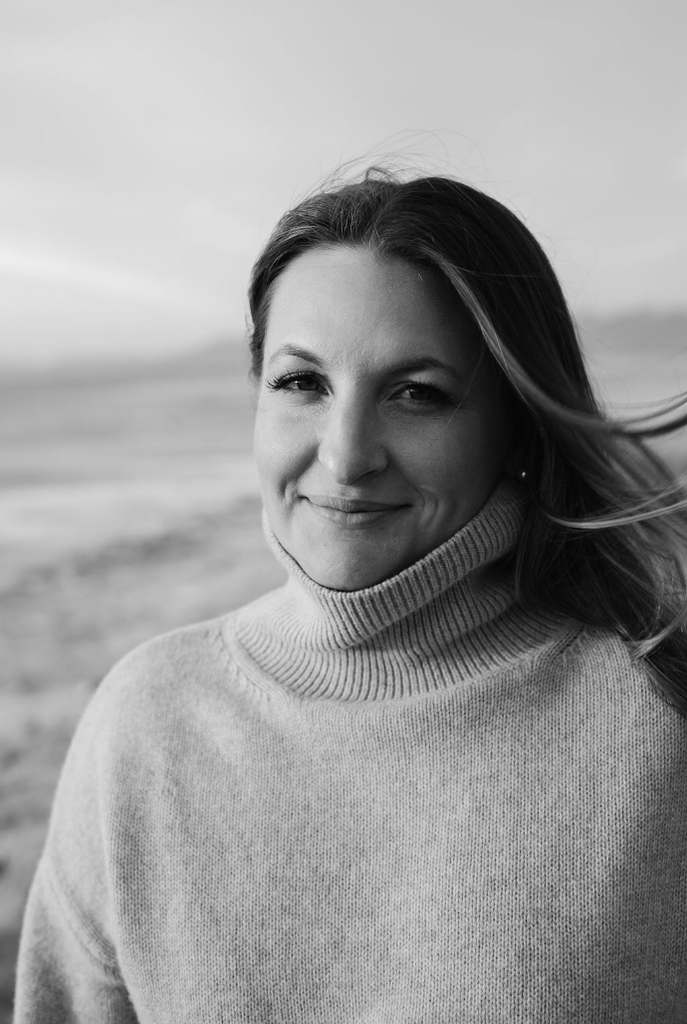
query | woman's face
(379,432)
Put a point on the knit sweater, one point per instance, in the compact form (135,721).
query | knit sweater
(420,802)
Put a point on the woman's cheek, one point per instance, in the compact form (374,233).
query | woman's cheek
(285,445)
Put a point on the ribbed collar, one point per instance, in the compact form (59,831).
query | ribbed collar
(427,627)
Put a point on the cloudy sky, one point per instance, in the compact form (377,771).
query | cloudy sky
(147,147)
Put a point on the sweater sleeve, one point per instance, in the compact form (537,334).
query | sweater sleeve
(59,978)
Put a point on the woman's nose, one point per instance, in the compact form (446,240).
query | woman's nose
(351,445)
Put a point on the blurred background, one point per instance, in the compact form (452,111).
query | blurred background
(146,150)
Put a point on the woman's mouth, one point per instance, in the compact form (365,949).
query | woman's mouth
(351,511)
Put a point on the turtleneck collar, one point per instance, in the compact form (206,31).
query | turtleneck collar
(424,628)
(338,618)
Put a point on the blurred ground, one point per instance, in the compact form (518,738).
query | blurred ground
(128,506)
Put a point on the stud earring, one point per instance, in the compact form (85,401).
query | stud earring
(522,475)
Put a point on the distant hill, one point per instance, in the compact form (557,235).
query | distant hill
(637,357)
(226,356)
(639,331)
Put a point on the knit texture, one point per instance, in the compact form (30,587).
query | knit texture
(419,802)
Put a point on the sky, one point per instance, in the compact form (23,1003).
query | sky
(147,148)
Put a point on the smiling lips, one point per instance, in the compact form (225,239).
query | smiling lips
(349,511)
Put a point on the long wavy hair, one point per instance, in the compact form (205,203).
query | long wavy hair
(605,535)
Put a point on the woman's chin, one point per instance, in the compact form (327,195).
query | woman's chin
(349,575)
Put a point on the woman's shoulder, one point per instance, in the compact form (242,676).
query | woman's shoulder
(159,708)
(605,680)
(165,663)
(188,654)
(166,683)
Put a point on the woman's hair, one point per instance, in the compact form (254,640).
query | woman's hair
(605,534)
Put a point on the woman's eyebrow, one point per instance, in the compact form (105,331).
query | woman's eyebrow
(295,350)
(427,363)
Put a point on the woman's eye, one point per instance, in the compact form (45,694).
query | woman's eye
(296,382)
(304,384)
(420,392)
(424,394)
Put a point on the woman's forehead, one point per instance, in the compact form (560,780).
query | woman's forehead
(345,298)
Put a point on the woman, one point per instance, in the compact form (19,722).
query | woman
(441,775)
